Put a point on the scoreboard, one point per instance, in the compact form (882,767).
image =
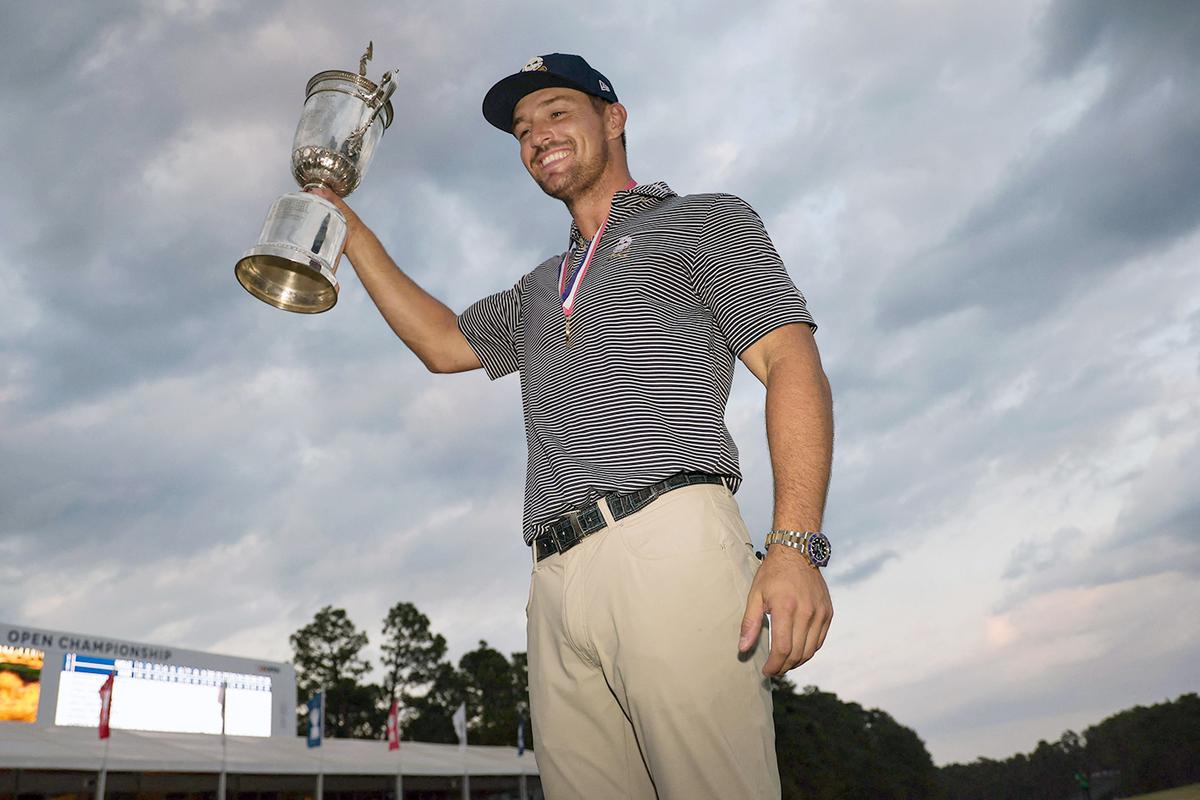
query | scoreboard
(54,678)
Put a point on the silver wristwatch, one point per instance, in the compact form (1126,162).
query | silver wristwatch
(813,544)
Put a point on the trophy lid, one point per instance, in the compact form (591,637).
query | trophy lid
(340,80)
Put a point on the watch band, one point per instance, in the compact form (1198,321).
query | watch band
(814,545)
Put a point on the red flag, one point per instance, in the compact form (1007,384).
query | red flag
(393,726)
(106,691)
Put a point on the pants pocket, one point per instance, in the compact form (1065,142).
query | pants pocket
(679,526)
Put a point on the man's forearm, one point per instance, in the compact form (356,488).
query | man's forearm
(800,437)
(424,323)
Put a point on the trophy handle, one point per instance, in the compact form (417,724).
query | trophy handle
(378,99)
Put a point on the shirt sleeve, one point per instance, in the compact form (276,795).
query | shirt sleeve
(741,279)
(491,327)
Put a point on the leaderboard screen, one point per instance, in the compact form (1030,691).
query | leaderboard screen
(150,696)
(20,683)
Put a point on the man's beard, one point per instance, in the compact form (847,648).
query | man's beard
(576,183)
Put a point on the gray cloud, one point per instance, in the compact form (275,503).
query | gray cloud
(1124,178)
(864,568)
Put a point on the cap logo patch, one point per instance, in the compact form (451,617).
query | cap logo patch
(535,65)
(604,87)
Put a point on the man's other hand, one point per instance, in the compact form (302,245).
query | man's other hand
(794,593)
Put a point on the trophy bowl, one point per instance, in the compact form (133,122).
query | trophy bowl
(294,264)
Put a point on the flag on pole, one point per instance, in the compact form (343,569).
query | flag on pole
(221,700)
(106,691)
(316,719)
(521,737)
(460,724)
(393,726)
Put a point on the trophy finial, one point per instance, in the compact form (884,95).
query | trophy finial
(362,62)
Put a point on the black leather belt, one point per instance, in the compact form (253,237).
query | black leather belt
(573,527)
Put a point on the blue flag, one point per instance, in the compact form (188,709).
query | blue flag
(521,737)
(316,719)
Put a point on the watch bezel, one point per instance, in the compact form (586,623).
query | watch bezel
(816,540)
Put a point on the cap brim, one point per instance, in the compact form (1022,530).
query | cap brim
(501,100)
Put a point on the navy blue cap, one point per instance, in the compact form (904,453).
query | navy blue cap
(542,72)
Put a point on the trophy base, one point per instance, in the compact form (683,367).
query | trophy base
(287,279)
(293,265)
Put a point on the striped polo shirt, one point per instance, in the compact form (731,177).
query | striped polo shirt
(677,288)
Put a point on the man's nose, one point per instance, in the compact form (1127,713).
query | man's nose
(542,134)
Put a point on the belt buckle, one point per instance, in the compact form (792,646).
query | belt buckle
(567,539)
(546,545)
(567,542)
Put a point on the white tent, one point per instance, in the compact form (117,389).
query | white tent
(24,746)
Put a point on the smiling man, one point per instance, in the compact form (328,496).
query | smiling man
(647,649)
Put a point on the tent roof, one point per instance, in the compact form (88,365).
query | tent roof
(25,746)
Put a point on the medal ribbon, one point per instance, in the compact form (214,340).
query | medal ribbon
(568,289)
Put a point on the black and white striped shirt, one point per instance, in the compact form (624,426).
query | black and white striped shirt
(678,287)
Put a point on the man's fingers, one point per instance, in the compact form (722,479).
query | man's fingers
(815,630)
(782,628)
(825,629)
(752,621)
(803,636)
(321,191)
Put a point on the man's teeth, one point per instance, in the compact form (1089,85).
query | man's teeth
(550,159)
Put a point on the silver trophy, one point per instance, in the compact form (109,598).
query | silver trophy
(294,264)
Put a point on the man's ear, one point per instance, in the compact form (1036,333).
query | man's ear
(615,120)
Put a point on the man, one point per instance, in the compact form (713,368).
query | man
(647,600)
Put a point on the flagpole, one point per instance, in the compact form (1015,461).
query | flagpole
(321,752)
(102,779)
(224,754)
(400,773)
(104,728)
(399,753)
(524,795)
(459,720)
(466,792)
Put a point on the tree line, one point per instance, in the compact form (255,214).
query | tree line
(328,656)
(1135,751)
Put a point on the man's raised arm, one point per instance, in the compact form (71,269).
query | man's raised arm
(424,323)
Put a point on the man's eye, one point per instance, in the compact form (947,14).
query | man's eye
(556,114)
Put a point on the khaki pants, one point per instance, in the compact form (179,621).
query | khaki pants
(637,687)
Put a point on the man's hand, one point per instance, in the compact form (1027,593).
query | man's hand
(794,593)
(354,225)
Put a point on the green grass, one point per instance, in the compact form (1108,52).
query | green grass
(1182,793)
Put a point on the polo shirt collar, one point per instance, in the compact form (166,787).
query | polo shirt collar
(627,203)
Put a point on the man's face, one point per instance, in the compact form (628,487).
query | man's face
(562,138)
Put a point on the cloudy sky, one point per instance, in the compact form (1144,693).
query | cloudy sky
(994,210)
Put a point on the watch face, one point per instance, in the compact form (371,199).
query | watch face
(819,549)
